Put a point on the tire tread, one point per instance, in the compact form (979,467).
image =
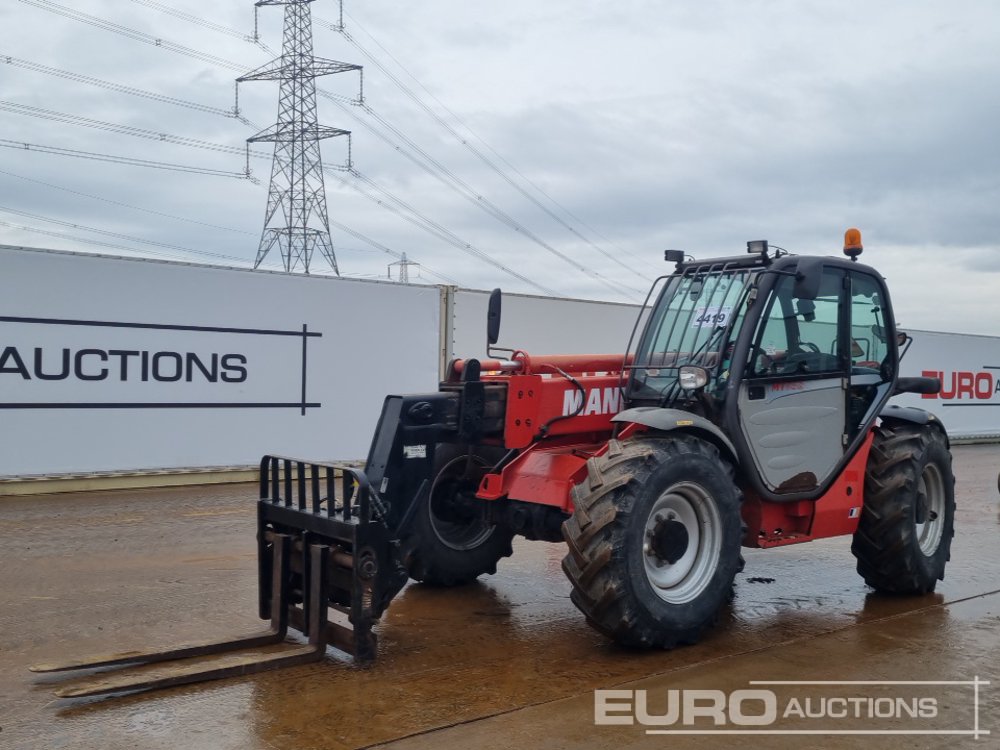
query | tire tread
(596,540)
(888,557)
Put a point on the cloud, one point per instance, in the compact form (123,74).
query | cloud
(654,125)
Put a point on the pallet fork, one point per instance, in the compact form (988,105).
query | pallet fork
(319,553)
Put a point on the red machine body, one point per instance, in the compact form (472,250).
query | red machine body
(559,414)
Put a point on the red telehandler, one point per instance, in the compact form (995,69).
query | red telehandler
(750,410)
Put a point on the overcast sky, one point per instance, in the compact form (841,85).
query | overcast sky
(651,125)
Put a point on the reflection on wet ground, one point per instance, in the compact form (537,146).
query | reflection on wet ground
(129,569)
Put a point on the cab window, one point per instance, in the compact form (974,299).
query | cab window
(799,337)
(869,341)
(872,352)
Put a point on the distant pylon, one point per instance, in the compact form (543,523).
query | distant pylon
(296,218)
(404,264)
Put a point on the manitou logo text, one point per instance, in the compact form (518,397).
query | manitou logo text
(964,386)
(796,386)
(599,401)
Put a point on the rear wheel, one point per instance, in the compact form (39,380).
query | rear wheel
(654,540)
(452,540)
(907,523)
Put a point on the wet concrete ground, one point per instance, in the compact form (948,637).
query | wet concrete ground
(507,662)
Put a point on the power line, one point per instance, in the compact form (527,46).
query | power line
(124,205)
(171,11)
(94,156)
(130,130)
(116,87)
(453,181)
(135,132)
(75,238)
(112,245)
(139,36)
(448,178)
(408,213)
(115,235)
(339,28)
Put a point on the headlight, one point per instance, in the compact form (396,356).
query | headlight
(692,378)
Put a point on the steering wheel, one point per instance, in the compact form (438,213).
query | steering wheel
(809,346)
(799,363)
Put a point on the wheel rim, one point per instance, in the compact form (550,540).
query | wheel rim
(682,542)
(931,500)
(454,529)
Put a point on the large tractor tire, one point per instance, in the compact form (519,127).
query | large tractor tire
(654,540)
(904,535)
(451,541)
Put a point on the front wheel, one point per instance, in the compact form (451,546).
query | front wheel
(654,540)
(903,540)
(452,540)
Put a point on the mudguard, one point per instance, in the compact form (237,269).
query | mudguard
(668,420)
(913,415)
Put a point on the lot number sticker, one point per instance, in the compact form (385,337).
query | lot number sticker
(711,317)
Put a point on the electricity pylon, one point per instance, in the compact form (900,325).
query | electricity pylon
(296,218)
(404,264)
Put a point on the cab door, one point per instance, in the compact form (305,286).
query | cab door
(793,398)
(873,352)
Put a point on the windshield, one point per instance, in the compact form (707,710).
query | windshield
(690,325)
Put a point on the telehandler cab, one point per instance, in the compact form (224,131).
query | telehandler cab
(750,409)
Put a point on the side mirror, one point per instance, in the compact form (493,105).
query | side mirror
(493,318)
(807,309)
(808,276)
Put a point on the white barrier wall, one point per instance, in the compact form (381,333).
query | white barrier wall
(969,368)
(112,364)
(540,325)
